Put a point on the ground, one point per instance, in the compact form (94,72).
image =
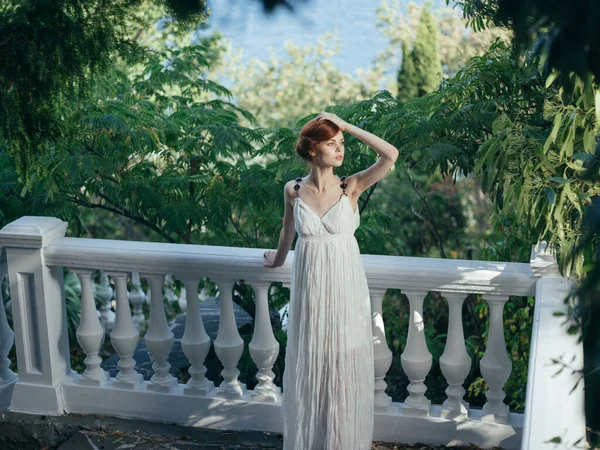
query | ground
(91,432)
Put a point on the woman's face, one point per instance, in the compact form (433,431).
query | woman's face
(330,152)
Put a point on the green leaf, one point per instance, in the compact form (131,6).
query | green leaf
(589,140)
(559,179)
(550,195)
(553,76)
(552,137)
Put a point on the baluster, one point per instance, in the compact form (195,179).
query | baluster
(124,337)
(159,339)
(90,333)
(105,294)
(7,339)
(416,359)
(455,361)
(495,365)
(136,297)
(264,348)
(229,346)
(195,343)
(382,353)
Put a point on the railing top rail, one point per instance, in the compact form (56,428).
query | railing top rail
(182,260)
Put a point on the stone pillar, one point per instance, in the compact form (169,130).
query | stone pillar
(195,343)
(7,339)
(495,366)
(264,348)
(416,359)
(39,315)
(90,333)
(229,345)
(455,362)
(159,339)
(553,397)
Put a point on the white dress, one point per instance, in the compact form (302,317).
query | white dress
(328,391)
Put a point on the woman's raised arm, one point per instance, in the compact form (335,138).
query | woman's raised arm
(388,154)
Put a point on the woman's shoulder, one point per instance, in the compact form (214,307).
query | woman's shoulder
(290,185)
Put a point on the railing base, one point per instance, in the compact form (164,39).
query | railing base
(37,399)
(6,393)
(245,413)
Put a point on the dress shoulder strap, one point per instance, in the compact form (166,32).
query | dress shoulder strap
(297,186)
(343,185)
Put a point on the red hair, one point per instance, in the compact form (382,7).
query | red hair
(313,132)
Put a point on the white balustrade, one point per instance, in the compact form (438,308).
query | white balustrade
(382,354)
(229,345)
(195,343)
(455,362)
(416,359)
(7,338)
(263,347)
(159,338)
(495,365)
(37,252)
(125,336)
(136,298)
(105,295)
(90,333)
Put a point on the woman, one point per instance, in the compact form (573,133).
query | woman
(328,380)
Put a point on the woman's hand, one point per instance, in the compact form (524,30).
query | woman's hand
(270,258)
(342,124)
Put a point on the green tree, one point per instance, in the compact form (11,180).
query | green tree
(426,55)
(50,48)
(421,70)
(532,143)
(407,76)
(562,33)
(458,42)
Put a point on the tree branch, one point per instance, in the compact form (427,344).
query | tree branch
(435,228)
(240,232)
(369,193)
(125,213)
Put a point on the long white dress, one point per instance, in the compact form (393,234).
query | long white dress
(328,397)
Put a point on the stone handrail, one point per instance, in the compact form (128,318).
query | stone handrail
(37,252)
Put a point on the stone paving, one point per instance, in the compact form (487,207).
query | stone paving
(91,432)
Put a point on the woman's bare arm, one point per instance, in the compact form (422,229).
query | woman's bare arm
(388,154)
(287,234)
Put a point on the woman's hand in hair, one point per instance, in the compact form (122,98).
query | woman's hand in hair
(342,124)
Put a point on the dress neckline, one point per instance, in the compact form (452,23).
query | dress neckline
(330,209)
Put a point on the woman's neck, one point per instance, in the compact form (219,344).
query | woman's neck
(321,178)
